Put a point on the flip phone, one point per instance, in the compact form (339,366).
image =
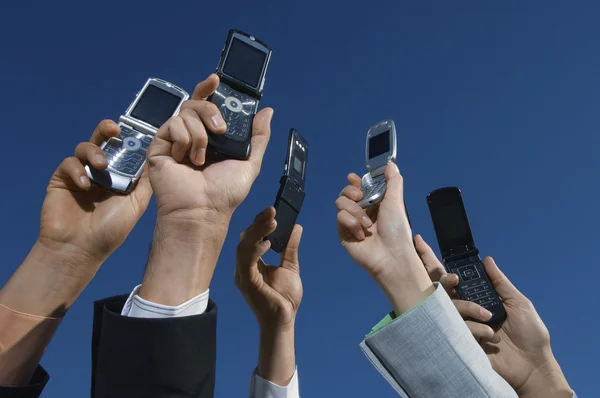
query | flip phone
(459,254)
(156,102)
(242,69)
(291,191)
(380,149)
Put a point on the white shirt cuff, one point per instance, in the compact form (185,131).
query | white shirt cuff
(137,307)
(262,388)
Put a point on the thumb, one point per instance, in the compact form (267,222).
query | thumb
(261,133)
(501,283)
(394,184)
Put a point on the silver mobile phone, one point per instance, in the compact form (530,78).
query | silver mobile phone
(380,149)
(156,102)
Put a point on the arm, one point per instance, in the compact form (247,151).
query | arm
(274,294)
(196,197)
(73,242)
(428,351)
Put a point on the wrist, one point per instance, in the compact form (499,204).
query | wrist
(183,257)
(277,357)
(405,282)
(49,280)
(547,380)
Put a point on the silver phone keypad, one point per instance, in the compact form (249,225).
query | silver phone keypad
(374,186)
(237,109)
(127,153)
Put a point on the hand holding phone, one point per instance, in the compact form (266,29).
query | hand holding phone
(153,106)
(459,254)
(380,149)
(242,69)
(291,191)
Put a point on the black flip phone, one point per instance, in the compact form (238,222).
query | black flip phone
(242,69)
(291,191)
(459,254)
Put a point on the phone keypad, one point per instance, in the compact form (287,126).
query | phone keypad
(374,186)
(127,153)
(237,109)
(473,286)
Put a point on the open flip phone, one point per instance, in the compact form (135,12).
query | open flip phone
(380,149)
(291,191)
(156,102)
(242,70)
(459,254)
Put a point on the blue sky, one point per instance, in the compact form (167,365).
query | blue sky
(499,99)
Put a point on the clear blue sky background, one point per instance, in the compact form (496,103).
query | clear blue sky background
(500,100)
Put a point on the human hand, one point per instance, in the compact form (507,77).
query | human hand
(520,349)
(187,184)
(273,293)
(87,219)
(379,240)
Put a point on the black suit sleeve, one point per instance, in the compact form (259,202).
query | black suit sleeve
(33,390)
(152,358)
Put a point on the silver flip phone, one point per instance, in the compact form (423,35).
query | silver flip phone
(156,102)
(380,149)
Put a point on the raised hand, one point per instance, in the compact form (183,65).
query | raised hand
(520,349)
(273,293)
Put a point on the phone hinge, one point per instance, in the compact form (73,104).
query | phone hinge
(137,126)
(242,88)
(378,171)
(461,252)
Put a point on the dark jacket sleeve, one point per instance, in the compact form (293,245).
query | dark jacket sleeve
(33,390)
(152,358)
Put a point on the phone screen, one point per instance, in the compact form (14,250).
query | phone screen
(155,106)
(297,166)
(379,144)
(450,221)
(245,63)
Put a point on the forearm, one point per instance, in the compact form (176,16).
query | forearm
(277,355)
(183,258)
(32,305)
(547,381)
(406,283)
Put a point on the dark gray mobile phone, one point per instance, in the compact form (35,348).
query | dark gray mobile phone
(291,191)
(242,70)
(459,254)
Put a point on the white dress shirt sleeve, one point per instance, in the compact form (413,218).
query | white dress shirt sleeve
(137,307)
(262,388)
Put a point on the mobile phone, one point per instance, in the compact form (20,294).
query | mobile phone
(380,149)
(242,69)
(156,102)
(459,254)
(291,191)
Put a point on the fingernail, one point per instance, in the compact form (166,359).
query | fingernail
(396,168)
(217,121)
(485,314)
(366,221)
(361,235)
(101,159)
(84,181)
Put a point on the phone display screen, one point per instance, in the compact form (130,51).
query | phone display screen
(245,63)
(451,223)
(155,106)
(297,166)
(379,144)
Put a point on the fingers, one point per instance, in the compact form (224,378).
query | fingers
(251,246)
(434,267)
(91,154)
(395,185)
(72,170)
(449,282)
(483,333)
(208,113)
(261,133)
(348,221)
(103,131)
(352,192)
(206,88)
(197,133)
(350,206)
(289,257)
(468,309)
(501,283)
(355,180)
